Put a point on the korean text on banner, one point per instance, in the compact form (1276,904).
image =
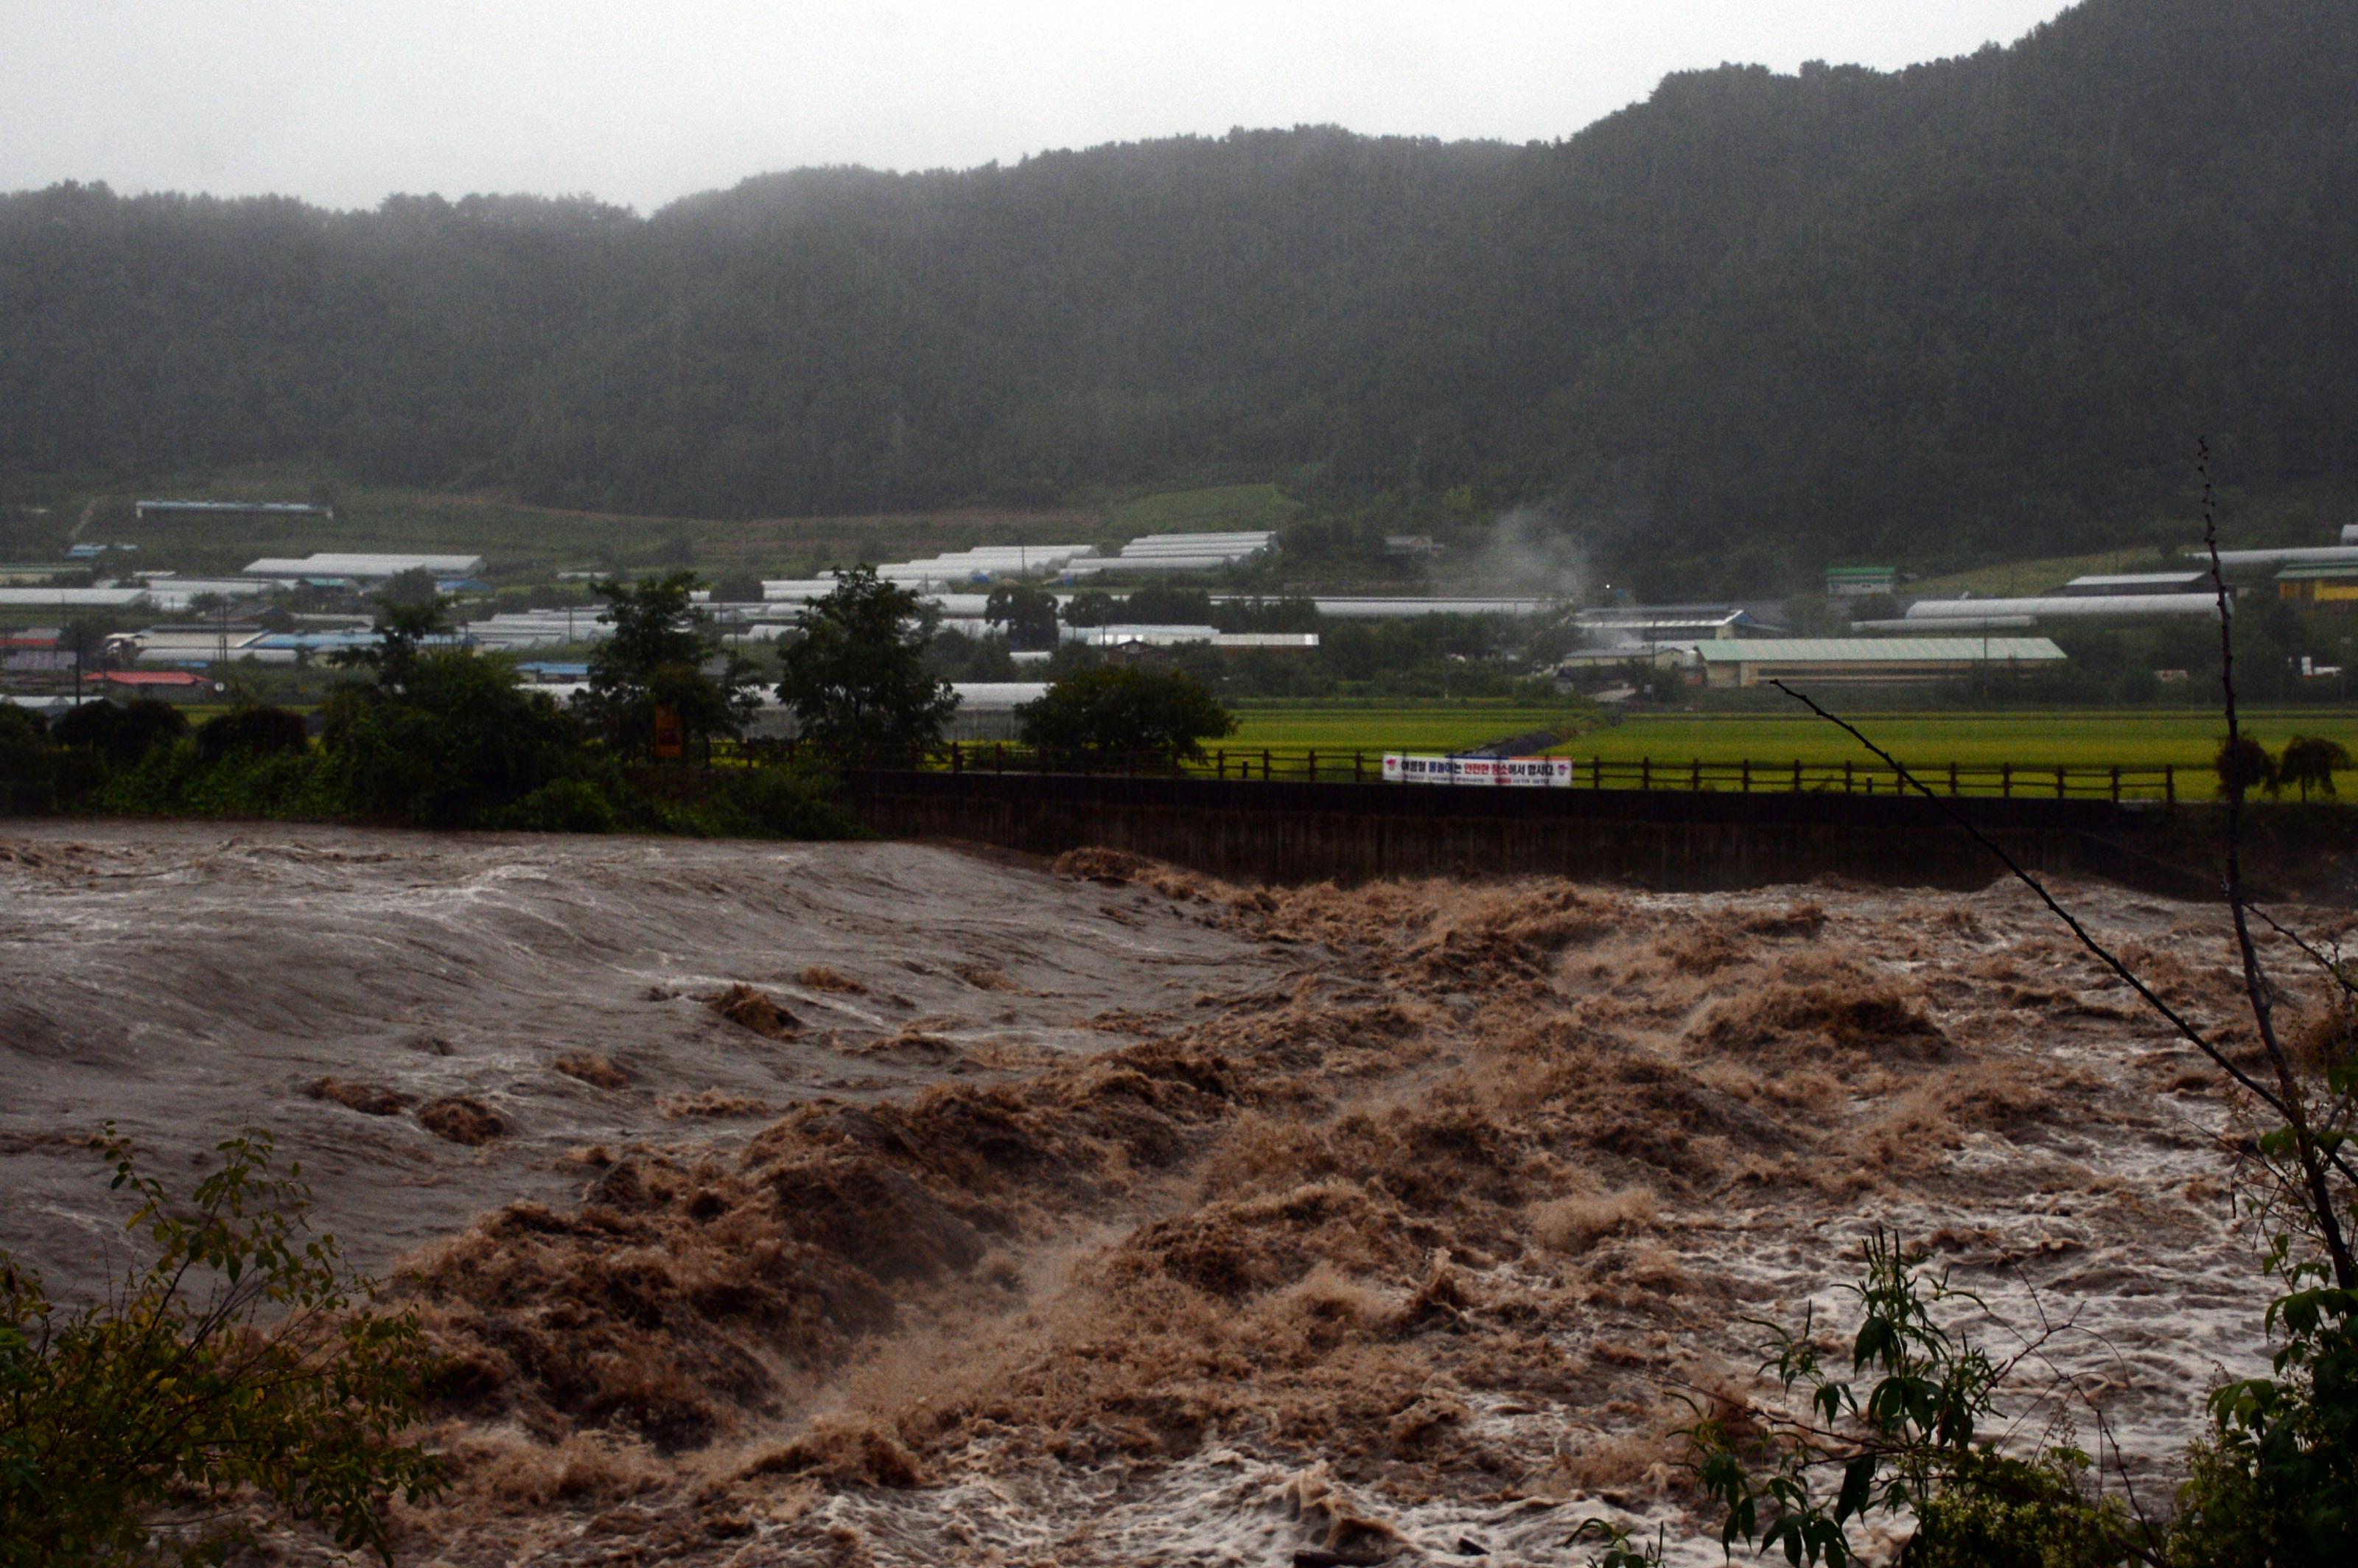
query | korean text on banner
(1527,772)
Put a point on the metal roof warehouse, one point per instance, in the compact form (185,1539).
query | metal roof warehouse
(1863,661)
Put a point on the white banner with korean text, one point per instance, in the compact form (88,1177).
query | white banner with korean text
(1539,771)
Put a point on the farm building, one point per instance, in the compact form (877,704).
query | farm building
(2247,562)
(72,597)
(170,685)
(1173,636)
(2318,584)
(1932,613)
(363,565)
(1863,661)
(2119,584)
(226,510)
(1860,582)
(1669,622)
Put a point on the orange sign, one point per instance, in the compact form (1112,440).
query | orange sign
(671,736)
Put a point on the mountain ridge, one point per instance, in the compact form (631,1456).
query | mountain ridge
(1753,323)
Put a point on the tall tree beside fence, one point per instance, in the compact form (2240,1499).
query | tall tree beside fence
(663,654)
(855,674)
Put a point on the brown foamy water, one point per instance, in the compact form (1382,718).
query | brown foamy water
(885,1205)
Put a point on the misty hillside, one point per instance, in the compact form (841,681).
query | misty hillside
(1754,323)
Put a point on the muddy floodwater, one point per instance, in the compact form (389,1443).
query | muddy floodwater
(889,1204)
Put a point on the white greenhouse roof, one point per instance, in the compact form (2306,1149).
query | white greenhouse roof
(1876,650)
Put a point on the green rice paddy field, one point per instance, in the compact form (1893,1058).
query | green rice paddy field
(2187,738)
(1405,727)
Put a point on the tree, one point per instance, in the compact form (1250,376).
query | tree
(404,628)
(440,738)
(120,733)
(254,729)
(1028,614)
(1091,607)
(241,1356)
(855,673)
(2243,765)
(416,586)
(26,764)
(663,654)
(1165,604)
(2311,760)
(1119,714)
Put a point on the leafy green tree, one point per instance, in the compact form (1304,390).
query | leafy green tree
(663,654)
(241,1355)
(255,729)
(120,733)
(1027,613)
(1120,714)
(26,768)
(404,629)
(1166,604)
(440,738)
(2245,766)
(1091,607)
(416,586)
(2311,760)
(855,674)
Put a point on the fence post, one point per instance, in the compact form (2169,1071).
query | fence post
(2058,783)
(954,759)
(999,756)
(1596,772)
(1952,779)
(2169,783)
(1797,775)
(1264,765)
(1747,775)
(1645,772)
(1694,780)
(2005,780)
(1220,764)
(1313,765)
(2116,784)
(1356,758)
(1846,778)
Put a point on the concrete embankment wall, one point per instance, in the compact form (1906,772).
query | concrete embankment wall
(1354,833)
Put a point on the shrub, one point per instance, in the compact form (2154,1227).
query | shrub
(2311,760)
(2244,765)
(1111,714)
(27,774)
(120,732)
(255,729)
(775,801)
(175,1392)
(1921,1440)
(456,744)
(563,806)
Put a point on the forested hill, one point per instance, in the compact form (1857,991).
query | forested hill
(1753,323)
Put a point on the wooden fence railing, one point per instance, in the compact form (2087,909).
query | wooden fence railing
(2071,781)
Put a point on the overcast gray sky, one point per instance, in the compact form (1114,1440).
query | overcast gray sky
(343,101)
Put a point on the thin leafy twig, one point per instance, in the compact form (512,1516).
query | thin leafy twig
(2305,1150)
(2087,939)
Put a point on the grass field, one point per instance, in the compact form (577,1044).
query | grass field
(1395,726)
(2187,738)
(1220,508)
(2015,578)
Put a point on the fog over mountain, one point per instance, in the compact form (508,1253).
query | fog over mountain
(1754,323)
